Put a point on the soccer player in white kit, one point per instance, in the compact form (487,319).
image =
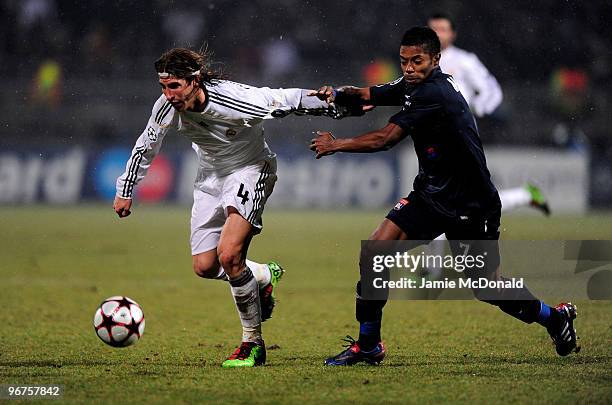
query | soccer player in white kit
(236,175)
(483,94)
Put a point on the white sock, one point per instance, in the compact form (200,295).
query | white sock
(261,272)
(514,198)
(246,296)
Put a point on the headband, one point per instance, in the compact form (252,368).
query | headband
(166,75)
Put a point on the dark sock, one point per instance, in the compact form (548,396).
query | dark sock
(544,315)
(548,316)
(369,335)
(369,316)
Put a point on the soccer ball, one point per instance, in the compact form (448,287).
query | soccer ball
(119,321)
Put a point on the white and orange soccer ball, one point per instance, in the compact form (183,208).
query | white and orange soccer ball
(119,321)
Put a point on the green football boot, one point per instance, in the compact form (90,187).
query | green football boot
(538,200)
(267,297)
(248,354)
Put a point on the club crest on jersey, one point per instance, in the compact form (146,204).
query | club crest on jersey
(400,204)
(432,153)
(152,134)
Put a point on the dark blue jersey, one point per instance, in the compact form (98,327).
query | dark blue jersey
(453,175)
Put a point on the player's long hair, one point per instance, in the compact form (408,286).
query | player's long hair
(183,63)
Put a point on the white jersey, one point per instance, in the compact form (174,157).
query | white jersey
(479,88)
(227,135)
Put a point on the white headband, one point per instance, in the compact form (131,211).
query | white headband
(165,75)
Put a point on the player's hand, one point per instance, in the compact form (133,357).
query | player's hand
(122,206)
(325,93)
(367,107)
(323,144)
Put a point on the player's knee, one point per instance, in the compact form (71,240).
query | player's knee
(206,267)
(229,258)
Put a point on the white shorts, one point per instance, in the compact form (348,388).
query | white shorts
(246,189)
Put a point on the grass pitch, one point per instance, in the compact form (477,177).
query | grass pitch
(56,265)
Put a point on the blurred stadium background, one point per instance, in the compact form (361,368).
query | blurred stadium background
(79,85)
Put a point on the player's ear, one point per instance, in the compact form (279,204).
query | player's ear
(196,80)
(436,59)
(191,81)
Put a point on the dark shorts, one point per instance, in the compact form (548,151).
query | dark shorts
(476,234)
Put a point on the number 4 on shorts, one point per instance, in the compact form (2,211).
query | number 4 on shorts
(243,194)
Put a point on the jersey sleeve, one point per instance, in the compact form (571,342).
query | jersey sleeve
(283,102)
(391,93)
(417,107)
(487,92)
(146,148)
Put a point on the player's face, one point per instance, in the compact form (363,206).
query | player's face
(180,93)
(416,63)
(445,32)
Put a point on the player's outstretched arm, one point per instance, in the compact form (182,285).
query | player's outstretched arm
(307,102)
(122,206)
(349,100)
(382,139)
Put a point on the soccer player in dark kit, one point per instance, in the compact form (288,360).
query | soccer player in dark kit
(453,193)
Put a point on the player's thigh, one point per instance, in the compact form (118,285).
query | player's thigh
(477,238)
(237,231)
(416,219)
(234,242)
(207,216)
(410,221)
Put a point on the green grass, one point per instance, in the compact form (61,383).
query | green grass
(57,264)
